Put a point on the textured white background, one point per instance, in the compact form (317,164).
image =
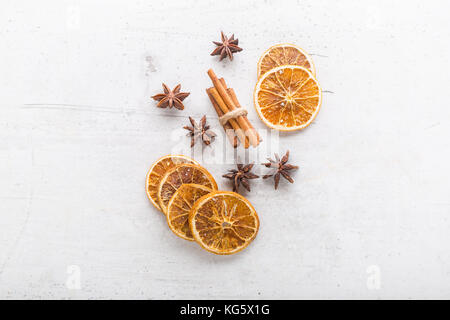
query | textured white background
(78,133)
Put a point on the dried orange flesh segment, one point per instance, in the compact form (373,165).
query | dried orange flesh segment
(223,222)
(157,171)
(283,54)
(180,205)
(287,98)
(181,174)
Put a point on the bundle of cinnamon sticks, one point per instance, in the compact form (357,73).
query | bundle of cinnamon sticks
(232,116)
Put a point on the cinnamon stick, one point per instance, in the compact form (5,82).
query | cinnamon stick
(227,126)
(236,101)
(230,105)
(239,132)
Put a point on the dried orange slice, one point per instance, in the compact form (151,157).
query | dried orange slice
(287,98)
(157,171)
(179,206)
(282,54)
(223,222)
(181,174)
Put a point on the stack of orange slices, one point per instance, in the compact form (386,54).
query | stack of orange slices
(222,222)
(287,95)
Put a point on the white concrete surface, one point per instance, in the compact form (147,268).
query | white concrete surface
(368,216)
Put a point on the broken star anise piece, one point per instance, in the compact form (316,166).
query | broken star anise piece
(171,98)
(241,176)
(282,168)
(227,47)
(200,130)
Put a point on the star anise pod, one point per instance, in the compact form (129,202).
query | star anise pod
(226,48)
(200,130)
(171,98)
(282,168)
(241,176)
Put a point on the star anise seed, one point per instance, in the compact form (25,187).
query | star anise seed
(227,47)
(281,168)
(171,98)
(200,130)
(241,176)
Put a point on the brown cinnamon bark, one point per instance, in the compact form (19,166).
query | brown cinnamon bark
(230,105)
(227,126)
(239,132)
(235,100)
